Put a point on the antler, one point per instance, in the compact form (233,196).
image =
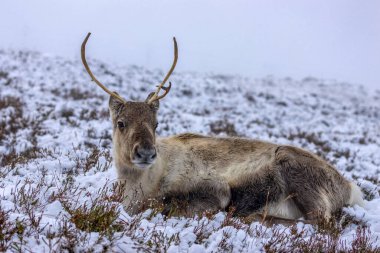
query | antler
(161,86)
(83,55)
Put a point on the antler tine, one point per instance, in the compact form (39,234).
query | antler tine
(166,89)
(83,55)
(161,86)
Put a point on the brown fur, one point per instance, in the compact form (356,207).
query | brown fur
(209,173)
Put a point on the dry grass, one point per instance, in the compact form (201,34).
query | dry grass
(322,147)
(87,215)
(223,126)
(100,213)
(86,212)
(16,120)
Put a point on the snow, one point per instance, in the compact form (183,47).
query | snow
(64,115)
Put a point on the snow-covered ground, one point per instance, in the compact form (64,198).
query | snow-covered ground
(56,167)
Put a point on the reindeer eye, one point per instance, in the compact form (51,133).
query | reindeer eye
(120,124)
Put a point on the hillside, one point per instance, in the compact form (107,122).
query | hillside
(57,177)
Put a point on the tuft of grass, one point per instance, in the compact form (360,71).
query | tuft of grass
(96,159)
(77,94)
(323,147)
(232,220)
(4,78)
(93,114)
(15,121)
(372,192)
(12,233)
(97,215)
(223,126)
(281,241)
(7,231)
(12,159)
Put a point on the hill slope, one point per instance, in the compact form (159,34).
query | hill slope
(57,177)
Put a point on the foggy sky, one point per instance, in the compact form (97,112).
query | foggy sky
(325,39)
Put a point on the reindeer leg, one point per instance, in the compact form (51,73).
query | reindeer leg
(205,195)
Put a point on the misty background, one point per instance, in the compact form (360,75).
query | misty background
(325,39)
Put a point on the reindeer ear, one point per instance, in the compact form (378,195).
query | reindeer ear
(155,104)
(115,105)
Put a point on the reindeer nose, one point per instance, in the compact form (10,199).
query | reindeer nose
(145,154)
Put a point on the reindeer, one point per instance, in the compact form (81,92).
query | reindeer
(212,173)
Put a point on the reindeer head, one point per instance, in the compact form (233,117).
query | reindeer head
(134,123)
